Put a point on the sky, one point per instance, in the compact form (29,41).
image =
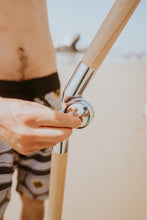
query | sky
(68,18)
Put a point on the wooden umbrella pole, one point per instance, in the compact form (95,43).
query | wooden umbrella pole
(108,33)
(59,164)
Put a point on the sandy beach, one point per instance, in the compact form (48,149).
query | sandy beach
(106,164)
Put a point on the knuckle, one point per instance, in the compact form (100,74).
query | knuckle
(29,118)
(23,116)
(21,148)
(60,117)
(75,122)
(78,123)
(21,134)
(25,149)
(25,152)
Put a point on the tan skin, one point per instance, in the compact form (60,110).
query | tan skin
(26,51)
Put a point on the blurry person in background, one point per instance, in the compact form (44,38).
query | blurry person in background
(28,130)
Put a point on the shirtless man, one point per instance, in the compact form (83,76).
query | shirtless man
(28,130)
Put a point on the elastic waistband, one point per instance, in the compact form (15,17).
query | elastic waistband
(29,89)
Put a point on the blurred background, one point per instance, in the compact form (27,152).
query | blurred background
(107,160)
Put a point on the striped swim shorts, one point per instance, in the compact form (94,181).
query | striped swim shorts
(33,169)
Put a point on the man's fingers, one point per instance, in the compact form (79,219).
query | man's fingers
(59,119)
(35,147)
(53,118)
(52,134)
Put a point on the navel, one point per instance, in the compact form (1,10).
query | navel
(23,61)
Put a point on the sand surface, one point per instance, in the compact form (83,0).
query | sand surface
(106,164)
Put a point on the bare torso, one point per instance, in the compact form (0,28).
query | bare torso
(26,49)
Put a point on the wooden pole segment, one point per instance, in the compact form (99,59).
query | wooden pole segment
(57,182)
(109,32)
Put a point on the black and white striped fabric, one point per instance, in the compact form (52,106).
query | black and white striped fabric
(33,173)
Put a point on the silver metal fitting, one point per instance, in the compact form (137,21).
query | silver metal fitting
(73,102)
(61,148)
(78,82)
(82,108)
(85,112)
